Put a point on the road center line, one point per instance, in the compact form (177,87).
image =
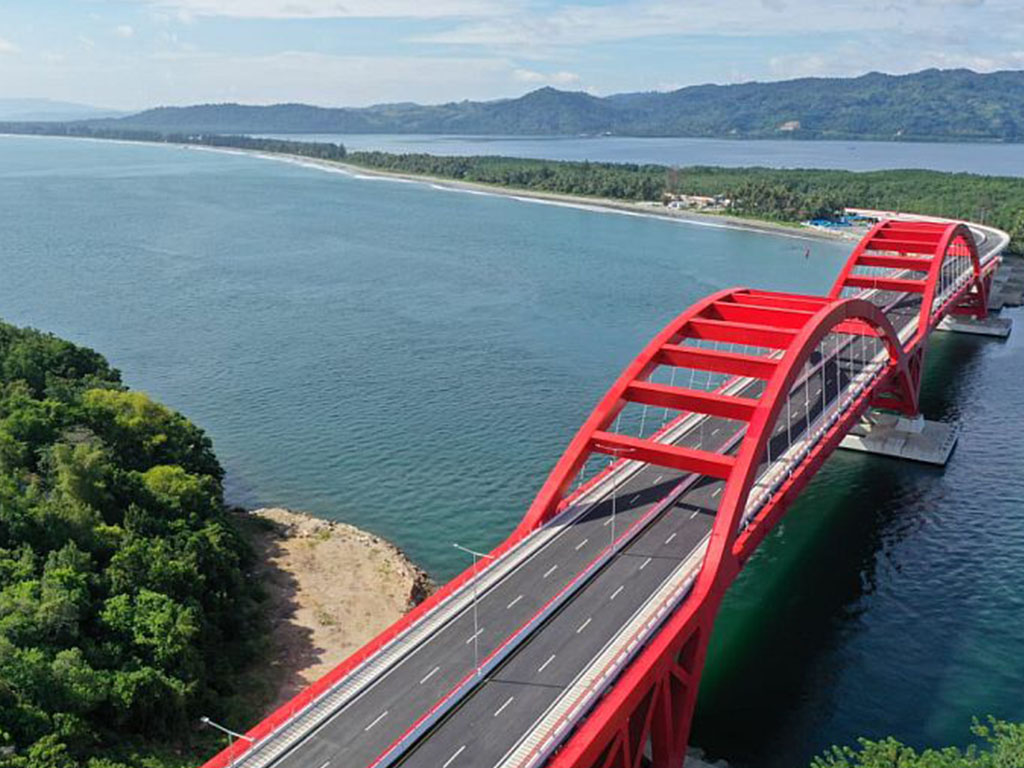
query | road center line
(499,710)
(542,666)
(550,570)
(616,592)
(584,625)
(658,479)
(507,607)
(718,490)
(695,513)
(430,674)
(669,539)
(644,563)
(633,500)
(474,636)
(451,759)
(582,544)
(380,717)
(325,764)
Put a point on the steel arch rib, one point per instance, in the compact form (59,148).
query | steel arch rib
(546,503)
(728,549)
(930,315)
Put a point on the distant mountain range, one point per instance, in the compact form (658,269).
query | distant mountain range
(33,110)
(955,105)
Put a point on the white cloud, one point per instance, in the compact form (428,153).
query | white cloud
(331,9)
(124,30)
(577,25)
(6,46)
(544,78)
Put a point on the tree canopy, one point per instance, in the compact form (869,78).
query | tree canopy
(125,611)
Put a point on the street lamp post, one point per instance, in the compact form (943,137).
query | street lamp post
(232,735)
(617,453)
(476,627)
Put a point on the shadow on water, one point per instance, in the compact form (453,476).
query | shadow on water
(778,671)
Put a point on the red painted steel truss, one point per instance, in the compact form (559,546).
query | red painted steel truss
(649,707)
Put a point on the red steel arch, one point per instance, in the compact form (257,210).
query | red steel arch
(912,255)
(656,695)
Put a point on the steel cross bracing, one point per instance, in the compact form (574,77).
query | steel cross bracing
(595,613)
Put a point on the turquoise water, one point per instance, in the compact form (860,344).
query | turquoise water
(993,159)
(413,360)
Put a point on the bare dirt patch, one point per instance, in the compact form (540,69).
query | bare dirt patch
(331,588)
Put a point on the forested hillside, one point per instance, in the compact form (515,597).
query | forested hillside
(125,610)
(948,105)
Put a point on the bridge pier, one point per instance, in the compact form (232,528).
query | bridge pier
(899,437)
(992,325)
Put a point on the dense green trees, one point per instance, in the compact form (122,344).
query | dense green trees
(125,612)
(767,193)
(317,150)
(1003,748)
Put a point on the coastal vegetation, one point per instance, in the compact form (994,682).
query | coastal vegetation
(313,149)
(783,195)
(1002,747)
(917,106)
(126,610)
(787,195)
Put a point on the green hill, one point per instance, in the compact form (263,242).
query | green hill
(932,105)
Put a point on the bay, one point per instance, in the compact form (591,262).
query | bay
(413,360)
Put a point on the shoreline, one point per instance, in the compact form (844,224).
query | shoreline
(579,202)
(330,587)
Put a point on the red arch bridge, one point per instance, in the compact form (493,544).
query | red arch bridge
(579,641)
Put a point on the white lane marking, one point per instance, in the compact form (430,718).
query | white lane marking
(658,479)
(550,659)
(582,544)
(718,490)
(607,522)
(325,764)
(380,717)
(499,710)
(513,602)
(695,513)
(550,570)
(715,431)
(430,674)
(583,626)
(616,592)
(634,498)
(451,759)
(669,539)
(474,636)
(644,563)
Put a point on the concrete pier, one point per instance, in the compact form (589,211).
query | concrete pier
(998,327)
(1008,284)
(887,434)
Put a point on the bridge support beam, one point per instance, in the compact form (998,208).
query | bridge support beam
(900,437)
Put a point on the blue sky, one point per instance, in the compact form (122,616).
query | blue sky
(130,54)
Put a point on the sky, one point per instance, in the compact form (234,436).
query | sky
(133,54)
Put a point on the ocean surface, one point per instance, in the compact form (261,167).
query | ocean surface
(991,159)
(413,360)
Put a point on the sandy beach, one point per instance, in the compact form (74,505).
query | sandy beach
(600,204)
